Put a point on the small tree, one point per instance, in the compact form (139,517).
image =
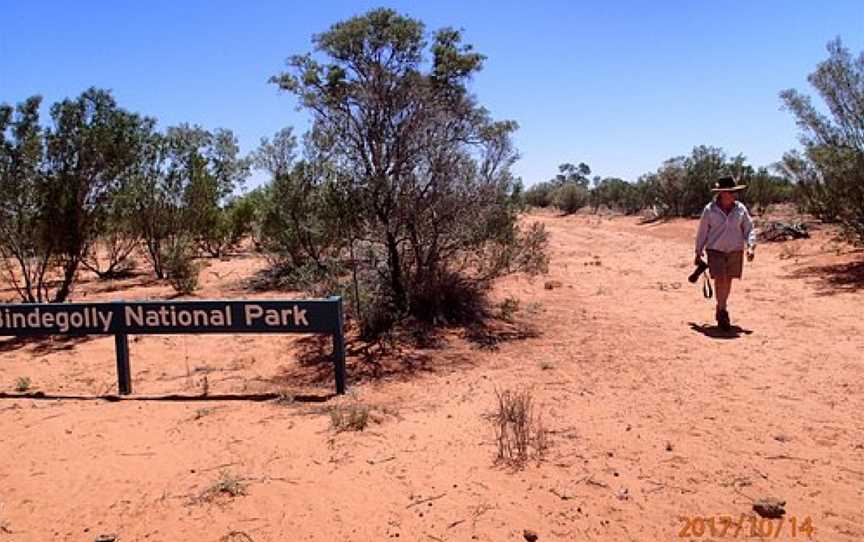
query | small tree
(180,266)
(58,184)
(570,197)
(110,255)
(540,195)
(764,190)
(830,173)
(26,249)
(420,171)
(682,185)
(184,188)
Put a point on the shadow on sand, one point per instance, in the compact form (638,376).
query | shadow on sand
(715,332)
(248,397)
(834,278)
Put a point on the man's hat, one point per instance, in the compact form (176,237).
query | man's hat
(727,184)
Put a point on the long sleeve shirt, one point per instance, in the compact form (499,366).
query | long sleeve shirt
(725,232)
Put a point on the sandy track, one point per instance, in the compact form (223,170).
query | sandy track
(652,419)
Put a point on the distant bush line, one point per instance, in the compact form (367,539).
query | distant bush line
(825,179)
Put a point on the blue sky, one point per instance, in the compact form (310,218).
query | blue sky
(618,85)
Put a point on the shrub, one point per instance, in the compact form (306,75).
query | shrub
(227,484)
(539,195)
(349,418)
(830,174)
(764,190)
(181,268)
(22,384)
(571,197)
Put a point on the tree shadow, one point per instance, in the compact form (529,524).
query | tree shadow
(834,279)
(402,355)
(138,279)
(658,219)
(365,361)
(45,344)
(487,335)
(715,332)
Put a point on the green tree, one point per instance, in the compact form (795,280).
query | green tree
(568,173)
(425,170)
(831,170)
(26,248)
(540,195)
(682,185)
(765,189)
(64,178)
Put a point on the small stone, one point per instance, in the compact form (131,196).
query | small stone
(769,507)
(529,535)
(106,538)
(551,284)
(668,446)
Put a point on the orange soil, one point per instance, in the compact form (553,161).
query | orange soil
(652,416)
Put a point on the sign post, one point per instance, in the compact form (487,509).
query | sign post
(121,319)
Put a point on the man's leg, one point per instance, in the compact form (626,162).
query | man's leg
(724,288)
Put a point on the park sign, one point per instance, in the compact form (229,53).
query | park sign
(320,316)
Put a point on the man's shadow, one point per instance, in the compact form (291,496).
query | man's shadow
(715,332)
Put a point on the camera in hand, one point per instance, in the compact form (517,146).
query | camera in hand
(701,266)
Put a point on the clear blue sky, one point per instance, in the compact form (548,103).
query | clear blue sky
(618,85)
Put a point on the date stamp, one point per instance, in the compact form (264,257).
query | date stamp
(746,526)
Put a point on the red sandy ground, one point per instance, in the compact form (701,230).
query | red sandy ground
(651,420)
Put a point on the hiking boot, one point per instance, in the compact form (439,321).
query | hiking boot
(723,320)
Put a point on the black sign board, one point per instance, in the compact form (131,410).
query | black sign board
(171,317)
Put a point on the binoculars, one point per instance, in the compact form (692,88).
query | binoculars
(701,266)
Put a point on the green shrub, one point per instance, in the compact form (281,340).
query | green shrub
(181,267)
(571,197)
(539,195)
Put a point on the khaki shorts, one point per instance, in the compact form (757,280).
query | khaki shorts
(725,264)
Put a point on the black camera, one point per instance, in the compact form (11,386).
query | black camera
(701,266)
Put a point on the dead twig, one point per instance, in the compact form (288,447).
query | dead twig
(424,501)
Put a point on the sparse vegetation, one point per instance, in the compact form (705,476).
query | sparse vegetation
(352,417)
(22,384)
(181,268)
(789,251)
(226,485)
(508,308)
(519,431)
(830,172)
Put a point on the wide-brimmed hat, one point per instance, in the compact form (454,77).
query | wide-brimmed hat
(727,184)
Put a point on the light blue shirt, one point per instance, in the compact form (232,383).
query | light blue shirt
(725,232)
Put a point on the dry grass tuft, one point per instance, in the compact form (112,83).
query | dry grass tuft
(354,417)
(519,433)
(227,484)
(22,384)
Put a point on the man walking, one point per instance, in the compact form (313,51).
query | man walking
(725,231)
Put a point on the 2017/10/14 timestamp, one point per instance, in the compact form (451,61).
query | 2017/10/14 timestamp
(745,526)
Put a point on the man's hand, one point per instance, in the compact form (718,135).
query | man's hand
(698,258)
(751,253)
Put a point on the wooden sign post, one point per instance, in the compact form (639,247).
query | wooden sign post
(121,319)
